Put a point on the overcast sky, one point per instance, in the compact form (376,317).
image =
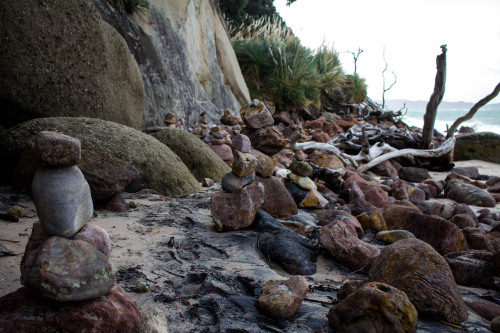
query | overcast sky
(412,32)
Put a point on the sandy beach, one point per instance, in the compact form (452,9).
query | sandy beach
(170,244)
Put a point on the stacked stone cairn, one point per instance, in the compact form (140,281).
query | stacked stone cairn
(220,142)
(66,261)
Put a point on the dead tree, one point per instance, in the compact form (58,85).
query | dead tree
(472,112)
(383,78)
(435,100)
(356,56)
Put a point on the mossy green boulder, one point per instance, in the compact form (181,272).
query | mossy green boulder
(202,161)
(483,146)
(160,168)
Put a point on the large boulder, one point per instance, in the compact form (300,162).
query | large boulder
(160,168)
(414,267)
(186,59)
(202,161)
(59,58)
(463,192)
(478,146)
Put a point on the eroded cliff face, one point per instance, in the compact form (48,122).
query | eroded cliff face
(85,58)
(186,59)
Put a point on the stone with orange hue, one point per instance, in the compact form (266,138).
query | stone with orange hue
(233,211)
(256,116)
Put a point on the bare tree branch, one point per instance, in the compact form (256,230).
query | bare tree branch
(472,112)
(383,78)
(435,100)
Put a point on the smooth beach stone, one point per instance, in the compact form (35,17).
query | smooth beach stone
(301,168)
(282,298)
(152,320)
(57,150)
(24,311)
(395,215)
(472,268)
(336,215)
(374,307)
(462,192)
(341,241)
(62,199)
(66,270)
(413,174)
(305,183)
(244,163)
(391,236)
(96,236)
(375,195)
(233,211)
(413,266)
(277,200)
(349,287)
(232,183)
(224,152)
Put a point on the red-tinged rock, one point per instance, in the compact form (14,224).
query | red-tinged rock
(463,221)
(278,202)
(472,268)
(477,239)
(320,137)
(496,196)
(355,192)
(486,309)
(242,143)
(360,206)
(429,190)
(336,215)
(346,123)
(342,243)
(427,280)
(436,184)
(117,204)
(375,195)
(300,155)
(396,214)
(399,190)
(57,150)
(441,234)
(462,192)
(207,182)
(96,236)
(268,140)
(414,193)
(65,270)
(224,152)
(233,211)
(256,116)
(349,287)
(385,169)
(282,117)
(314,124)
(464,209)
(23,311)
(352,176)
(374,307)
(456,176)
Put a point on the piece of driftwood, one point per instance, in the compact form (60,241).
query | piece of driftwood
(472,112)
(435,100)
(294,145)
(445,148)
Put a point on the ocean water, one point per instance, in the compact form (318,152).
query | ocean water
(483,120)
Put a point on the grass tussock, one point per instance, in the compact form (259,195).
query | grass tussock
(277,67)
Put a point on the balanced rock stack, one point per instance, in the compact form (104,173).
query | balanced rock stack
(235,207)
(66,269)
(219,142)
(201,130)
(300,172)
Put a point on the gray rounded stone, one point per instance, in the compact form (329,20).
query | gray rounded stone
(62,199)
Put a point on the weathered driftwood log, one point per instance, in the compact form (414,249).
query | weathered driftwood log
(321,146)
(472,112)
(435,100)
(445,148)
